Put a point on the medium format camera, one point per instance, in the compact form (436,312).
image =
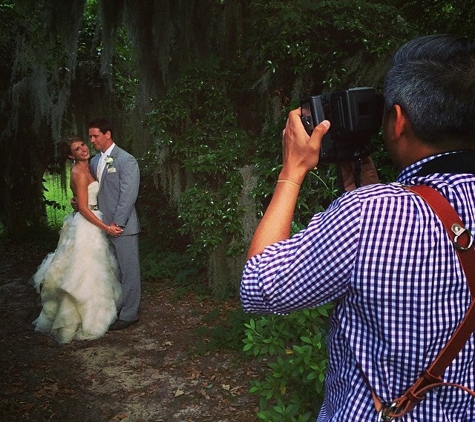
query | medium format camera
(355,115)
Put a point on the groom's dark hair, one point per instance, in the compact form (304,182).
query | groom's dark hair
(103,125)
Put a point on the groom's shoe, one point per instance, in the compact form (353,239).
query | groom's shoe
(120,324)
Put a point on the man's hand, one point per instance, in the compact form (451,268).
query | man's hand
(115,230)
(74,203)
(368,173)
(300,151)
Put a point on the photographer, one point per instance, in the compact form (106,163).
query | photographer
(379,251)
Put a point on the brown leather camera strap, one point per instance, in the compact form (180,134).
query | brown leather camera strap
(432,376)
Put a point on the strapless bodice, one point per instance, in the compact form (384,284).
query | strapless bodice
(92,192)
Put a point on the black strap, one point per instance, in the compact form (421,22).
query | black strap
(456,162)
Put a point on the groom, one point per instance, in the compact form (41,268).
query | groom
(118,174)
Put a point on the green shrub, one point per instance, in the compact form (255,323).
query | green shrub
(167,266)
(56,199)
(225,333)
(199,151)
(293,348)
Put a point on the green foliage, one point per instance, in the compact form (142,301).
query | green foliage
(439,16)
(55,199)
(263,55)
(386,171)
(294,350)
(159,221)
(226,332)
(196,120)
(209,216)
(317,41)
(173,268)
(167,266)
(196,126)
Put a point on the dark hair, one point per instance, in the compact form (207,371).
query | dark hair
(432,78)
(103,125)
(65,145)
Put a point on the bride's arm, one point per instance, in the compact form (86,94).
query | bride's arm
(79,185)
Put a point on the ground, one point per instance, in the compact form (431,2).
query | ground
(148,372)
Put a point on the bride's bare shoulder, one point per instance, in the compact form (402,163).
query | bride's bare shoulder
(80,178)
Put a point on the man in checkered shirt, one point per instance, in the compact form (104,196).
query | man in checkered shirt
(378,251)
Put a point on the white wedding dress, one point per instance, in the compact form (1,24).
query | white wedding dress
(78,283)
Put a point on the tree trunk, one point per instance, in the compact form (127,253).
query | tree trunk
(21,186)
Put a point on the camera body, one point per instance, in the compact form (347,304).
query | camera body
(355,115)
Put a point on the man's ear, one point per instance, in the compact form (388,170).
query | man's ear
(400,121)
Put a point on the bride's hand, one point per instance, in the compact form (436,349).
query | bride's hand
(114,230)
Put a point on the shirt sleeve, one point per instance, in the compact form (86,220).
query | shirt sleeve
(311,268)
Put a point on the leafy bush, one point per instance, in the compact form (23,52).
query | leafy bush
(199,151)
(167,266)
(226,332)
(294,350)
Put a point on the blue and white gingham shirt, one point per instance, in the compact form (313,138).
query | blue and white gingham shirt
(384,257)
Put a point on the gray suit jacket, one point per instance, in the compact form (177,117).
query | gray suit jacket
(119,189)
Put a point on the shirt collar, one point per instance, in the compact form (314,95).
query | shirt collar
(416,169)
(108,151)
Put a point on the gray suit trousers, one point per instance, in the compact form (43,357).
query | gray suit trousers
(127,252)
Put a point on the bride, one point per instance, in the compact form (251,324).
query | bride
(78,283)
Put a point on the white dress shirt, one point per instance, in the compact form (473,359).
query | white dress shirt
(102,162)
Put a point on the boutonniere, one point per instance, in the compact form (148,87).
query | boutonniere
(110,165)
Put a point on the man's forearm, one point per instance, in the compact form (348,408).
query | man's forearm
(277,220)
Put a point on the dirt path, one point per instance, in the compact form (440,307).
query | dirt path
(149,372)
